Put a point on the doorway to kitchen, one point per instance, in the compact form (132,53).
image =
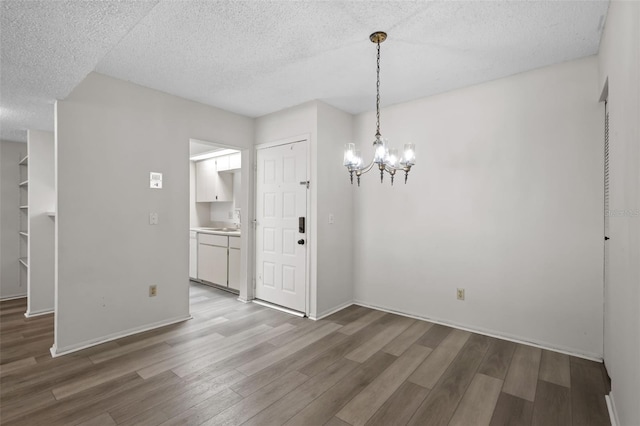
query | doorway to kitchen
(215,219)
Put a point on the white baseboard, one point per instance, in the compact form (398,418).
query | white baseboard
(19,296)
(490,333)
(611,407)
(239,299)
(38,313)
(56,352)
(331,311)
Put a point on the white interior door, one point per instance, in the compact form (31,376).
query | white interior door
(281,200)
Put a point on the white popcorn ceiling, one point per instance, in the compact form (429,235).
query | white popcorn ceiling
(256,57)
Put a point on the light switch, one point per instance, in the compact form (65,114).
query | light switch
(331,219)
(153,218)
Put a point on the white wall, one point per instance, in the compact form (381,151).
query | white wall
(41,226)
(10,283)
(505,201)
(335,196)
(619,60)
(109,135)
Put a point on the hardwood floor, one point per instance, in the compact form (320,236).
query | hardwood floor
(238,363)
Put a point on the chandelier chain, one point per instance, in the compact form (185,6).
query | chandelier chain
(378,93)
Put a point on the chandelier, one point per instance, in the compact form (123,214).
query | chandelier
(386,159)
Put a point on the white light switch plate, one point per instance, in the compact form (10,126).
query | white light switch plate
(153,218)
(155,180)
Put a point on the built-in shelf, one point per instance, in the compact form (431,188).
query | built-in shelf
(51,214)
(24,161)
(25,183)
(24,207)
(24,234)
(24,261)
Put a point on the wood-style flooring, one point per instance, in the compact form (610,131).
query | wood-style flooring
(238,363)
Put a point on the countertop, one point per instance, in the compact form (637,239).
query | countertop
(210,231)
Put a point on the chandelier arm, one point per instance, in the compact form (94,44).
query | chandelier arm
(367,168)
(388,168)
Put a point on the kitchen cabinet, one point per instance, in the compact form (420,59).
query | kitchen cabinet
(218,259)
(212,186)
(234,263)
(222,163)
(213,258)
(193,255)
(235,161)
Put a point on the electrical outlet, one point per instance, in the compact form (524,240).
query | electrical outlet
(460,294)
(331,218)
(153,290)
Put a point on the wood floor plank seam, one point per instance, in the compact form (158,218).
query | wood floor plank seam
(357,366)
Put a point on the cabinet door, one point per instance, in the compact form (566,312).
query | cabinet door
(205,180)
(212,186)
(235,161)
(224,187)
(193,256)
(234,269)
(222,163)
(212,264)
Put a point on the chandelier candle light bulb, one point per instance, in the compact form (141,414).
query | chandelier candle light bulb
(386,159)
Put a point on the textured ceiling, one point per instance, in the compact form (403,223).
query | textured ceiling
(256,57)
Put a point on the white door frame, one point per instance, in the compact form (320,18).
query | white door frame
(306,138)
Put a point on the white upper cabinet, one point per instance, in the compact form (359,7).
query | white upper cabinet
(235,161)
(212,186)
(229,163)
(222,163)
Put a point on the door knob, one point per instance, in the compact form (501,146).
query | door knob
(301,241)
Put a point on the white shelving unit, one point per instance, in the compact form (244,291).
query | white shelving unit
(24,216)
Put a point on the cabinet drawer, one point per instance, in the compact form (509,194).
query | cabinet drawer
(234,242)
(214,240)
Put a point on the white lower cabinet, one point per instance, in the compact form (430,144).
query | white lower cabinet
(234,269)
(193,255)
(212,258)
(218,260)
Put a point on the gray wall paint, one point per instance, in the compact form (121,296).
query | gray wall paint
(10,283)
(110,135)
(620,64)
(505,201)
(41,226)
(335,196)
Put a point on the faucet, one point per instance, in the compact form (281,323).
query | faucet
(238,222)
